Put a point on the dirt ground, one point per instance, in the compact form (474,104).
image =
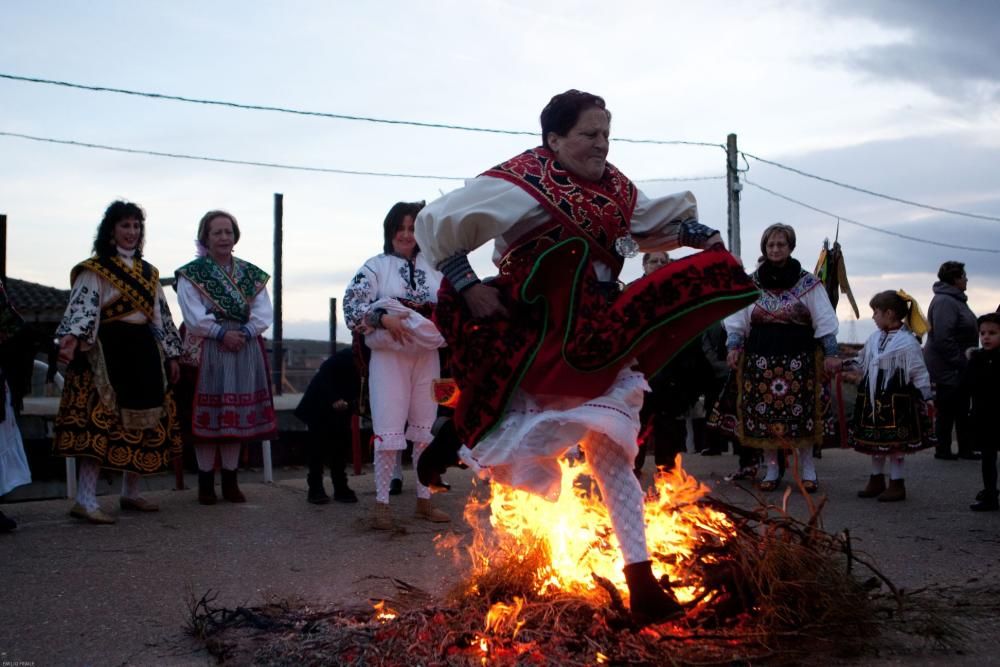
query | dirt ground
(74,594)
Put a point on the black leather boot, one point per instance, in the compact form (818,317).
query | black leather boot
(441,454)
(648,602)
(317,494)
(206,487)
(230,487)
(990,502)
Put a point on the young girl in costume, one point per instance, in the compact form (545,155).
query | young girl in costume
(892,413)
(982,380)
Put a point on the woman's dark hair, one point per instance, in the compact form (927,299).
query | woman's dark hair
(394,220)
(776,228)
(950,272)
(988,318)
(104,241)
(563,110)
(205,226)
(890,300)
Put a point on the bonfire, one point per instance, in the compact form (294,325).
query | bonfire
(544,586)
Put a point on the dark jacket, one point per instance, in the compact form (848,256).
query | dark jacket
(953,331)
(982,380)
(336,379)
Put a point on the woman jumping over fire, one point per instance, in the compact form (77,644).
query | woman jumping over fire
(551,353)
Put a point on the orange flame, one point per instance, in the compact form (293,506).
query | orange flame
(384,613)
(576,533)
(503,618)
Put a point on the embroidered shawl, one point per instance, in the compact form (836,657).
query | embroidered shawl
(231,296)
(137,284)
(600,212)
(902,352)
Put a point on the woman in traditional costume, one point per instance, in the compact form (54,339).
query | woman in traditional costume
(117,409)
(892,412)
(14,471)
(551,353)
(226,309)
(389,302)
(781,348)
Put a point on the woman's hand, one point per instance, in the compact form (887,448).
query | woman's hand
(394,325)
(173,371)
(67,348)
(733,359)
(484,301)
(714,240)
(234,340)
(340,405)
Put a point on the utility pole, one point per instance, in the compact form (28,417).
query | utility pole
(733,188)
(278,352)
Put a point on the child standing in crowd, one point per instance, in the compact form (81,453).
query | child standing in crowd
(982,379)
(891,415)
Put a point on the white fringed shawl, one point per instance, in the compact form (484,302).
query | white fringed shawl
(901,353)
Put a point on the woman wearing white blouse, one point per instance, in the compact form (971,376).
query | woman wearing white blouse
(226,309)
(117,410)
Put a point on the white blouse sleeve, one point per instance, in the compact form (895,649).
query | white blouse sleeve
(83,314)
(197,317)
(261,314)
(737,327)
(462,220)
(824,317)
(361,293)
(656,223)
(163,327)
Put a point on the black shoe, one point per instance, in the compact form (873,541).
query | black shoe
(648,602)
(946,456)
(441,454)
(317,496)
(395,486)
(980,495)
(971,456)
(344,495)
(985,506)
(6,523)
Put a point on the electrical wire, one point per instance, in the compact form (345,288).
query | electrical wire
(204,158)
(872,192)
(323,114)
(869,227)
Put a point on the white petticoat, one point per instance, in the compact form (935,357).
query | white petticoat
(523,451)
(14,471)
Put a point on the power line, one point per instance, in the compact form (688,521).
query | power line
(680,178)
(278,165)
(323,114)
(871,192)
(204,158)
(869,227)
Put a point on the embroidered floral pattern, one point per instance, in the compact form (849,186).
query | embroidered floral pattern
(564,337)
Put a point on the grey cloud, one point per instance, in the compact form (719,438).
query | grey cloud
(953,48)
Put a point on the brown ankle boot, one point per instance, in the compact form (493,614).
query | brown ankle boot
(876,485)
(230,488)
(648,602)
(427,511)
(382,517)
(895,492)
(206,487)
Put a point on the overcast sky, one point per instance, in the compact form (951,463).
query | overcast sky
(900,97)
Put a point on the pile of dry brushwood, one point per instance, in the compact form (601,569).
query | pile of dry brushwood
(783,590)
